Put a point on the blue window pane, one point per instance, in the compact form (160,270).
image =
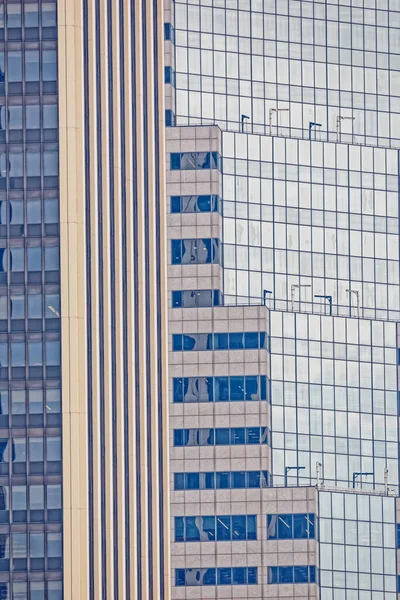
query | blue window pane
(192,481)
(223,480)
(170,119)
(179,481)
(262,339)
(303,526)
(167,31)
(251,340)
(209,388)
(221,341)
(208,526)
(53,354)
(264,435)
(272,527)
(167,74)
(175,204)
(252,576)
(192,533)
(237,388)
(203,160)
(238,527)
(209,481)
(222,436)
(215,160)
(253,435)
(217,298)
(209,250)
(210,437)
(224,576)
(204,203)
(272,574)
(189,342)
(264,479)
(285,574)
(49,65)
(301,574)
(313,575)
(223,528)
(238,576)
(263,388)
(14,70)
(180,578)
(177,343)
(209,577)
(178,389)
(254,479)
(238,435)
(221,389)
(176,252)
(181,437)
(236,341)
(251,383)
(239,479)
(179,529)
(285,527)
(176,299)
(251,527)
(175,160)
(35,354)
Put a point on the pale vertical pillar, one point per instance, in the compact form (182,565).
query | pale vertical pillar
(73,320)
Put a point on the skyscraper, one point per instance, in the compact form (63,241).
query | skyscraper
(82,308)
(283,194)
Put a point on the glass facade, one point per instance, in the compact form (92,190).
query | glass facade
(286,64)
(30,353)
(357,547)
(334,399)
(306,219)
(288,111)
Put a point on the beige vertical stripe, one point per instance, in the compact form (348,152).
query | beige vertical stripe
(73,321)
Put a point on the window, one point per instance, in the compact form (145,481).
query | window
(218,341)
(211,529)
(54,590)
(220,576)
(32,70)
(31,14)
(170,118)
(221,480)
(195,252)
(220,389)
(168,32)
(303,574)
(14,66)
(189,161)
(50,117)
(19,551)
(284,527)
(169,75)
(194,204)
(49,14)
(54,550)
(49,65)
(13,16)
(221,436)
(196,298)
